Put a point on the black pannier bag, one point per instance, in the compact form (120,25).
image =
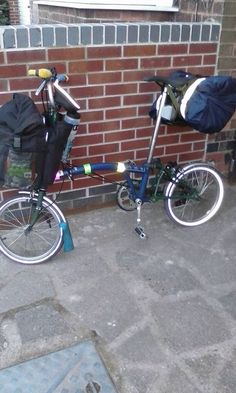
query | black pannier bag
(209,103)
(47,163)
(22,132)
(26,138)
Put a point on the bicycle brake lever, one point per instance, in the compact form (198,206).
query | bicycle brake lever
(41,88)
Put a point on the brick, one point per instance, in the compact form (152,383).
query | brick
(201,70)
(121,64)
(209,59)
(156,62)
(77,79)
(22,84)
(139,50)
(135,123)
(185,33)
(9,38)
(180,148)
(121,89)
(183,61)
(83,66)
(165,33)
(92,116)
(2,58)
(13,71)
(203,48)
(86,34)
(104,126)
(26,56)
(142,154)
(61,36)
(104,77)
(73,35)
(48,36)
(98,35)
(131,76)
(196,31)
(66,54)
(155,33)
(87,140)
(120,113)
(35,36)
(172,49)
(22,39)
(168,140)
(206,31)
(106,102)
(175,33)
(122,156)
(110,37)
(119,136)
(215,33)
(104,149)
(144,33)
(191,156)
(132,34)
(137,99)
(192,137)
(90,91)
(135,144)
(103,52)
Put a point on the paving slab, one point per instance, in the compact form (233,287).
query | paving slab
(161,312)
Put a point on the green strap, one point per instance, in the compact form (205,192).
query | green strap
(87,169)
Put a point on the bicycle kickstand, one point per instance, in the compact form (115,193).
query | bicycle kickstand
(139,230)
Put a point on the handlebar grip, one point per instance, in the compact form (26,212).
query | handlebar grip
(41,73)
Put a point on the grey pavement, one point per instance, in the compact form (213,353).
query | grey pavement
(160,311)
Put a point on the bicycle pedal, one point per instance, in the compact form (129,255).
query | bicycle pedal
(140,232)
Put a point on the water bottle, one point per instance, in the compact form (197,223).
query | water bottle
(74,120)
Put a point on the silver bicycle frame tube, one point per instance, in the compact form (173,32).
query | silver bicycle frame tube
(158,122)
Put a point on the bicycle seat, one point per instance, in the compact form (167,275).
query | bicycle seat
(174,81)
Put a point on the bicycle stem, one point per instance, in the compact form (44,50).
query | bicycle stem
(158,122)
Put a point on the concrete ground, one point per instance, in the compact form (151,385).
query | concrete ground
(161,311)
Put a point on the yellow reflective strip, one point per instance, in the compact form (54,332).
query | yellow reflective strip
(120,167)
(87,169)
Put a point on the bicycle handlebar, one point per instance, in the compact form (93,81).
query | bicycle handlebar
(43,73)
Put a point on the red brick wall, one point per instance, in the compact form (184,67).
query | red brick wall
(108,83)
(14,12)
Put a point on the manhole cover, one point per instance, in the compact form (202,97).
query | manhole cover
(77,369)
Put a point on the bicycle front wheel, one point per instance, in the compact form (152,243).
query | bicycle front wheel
(32,246)
(195,195)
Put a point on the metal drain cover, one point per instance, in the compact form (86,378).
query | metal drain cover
(77,369)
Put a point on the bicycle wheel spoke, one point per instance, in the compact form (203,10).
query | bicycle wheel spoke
(196,197)
(23,243)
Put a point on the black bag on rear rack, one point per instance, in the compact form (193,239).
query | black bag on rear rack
(208,106)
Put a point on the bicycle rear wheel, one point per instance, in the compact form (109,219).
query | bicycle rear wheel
(195,195)
(39,243)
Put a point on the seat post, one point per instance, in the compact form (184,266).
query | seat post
(158,122)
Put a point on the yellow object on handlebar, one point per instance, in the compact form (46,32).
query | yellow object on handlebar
(41,73)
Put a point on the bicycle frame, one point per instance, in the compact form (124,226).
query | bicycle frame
(127,167)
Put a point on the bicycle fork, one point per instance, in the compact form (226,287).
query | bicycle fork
(36,211)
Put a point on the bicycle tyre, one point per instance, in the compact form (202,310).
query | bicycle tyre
(39,244)
(194,196)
